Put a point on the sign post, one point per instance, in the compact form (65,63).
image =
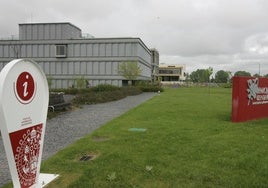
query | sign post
(24,99)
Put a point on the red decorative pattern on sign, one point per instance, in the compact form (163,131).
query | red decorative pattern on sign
(26,148)
(249,98)
(25,87)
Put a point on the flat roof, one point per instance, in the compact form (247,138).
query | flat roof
(51,23)
(171,65)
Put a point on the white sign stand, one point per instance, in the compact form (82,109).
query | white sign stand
(45,179)
(23,111)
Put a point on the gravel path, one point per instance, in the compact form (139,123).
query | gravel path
(74,125)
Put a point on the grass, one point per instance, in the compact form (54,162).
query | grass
(189,142)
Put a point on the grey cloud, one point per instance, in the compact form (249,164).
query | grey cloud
(197,33)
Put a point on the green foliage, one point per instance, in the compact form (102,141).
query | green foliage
(242,73)
(105,93)
(189,142)
(187,78)
(111,177)
(71,91)
(226,85)
(209,72)
(100,94)
(98,97)
(129,70)
(104,87)
(257,75)
(49,81)
(99,88)
(222,76)
(81,82)
(131,90)
(201,75)
(146,86)
(151,88)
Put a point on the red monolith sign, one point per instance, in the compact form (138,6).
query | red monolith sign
(249,98)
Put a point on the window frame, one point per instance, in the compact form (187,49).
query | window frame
(61,50)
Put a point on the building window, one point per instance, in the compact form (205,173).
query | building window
(61,50)
(169,71)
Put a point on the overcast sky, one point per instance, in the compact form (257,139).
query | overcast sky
(226,35)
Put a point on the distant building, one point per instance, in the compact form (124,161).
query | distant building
(155,64)
(171,72)
(65,55)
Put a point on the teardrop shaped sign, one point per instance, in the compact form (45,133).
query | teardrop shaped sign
(23,111)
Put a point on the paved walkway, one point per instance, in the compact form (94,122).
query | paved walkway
(70,126)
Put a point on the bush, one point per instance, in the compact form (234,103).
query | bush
(151,88)
(105,93)
(146,86)
(130,90)
(226,85)
(98,97)
(74,91)
(71,91)
(104,87)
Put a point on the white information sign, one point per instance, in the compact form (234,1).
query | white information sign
(23,111)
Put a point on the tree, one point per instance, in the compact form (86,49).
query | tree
(194,76)
(242,73)
(257,75)
(130,70)
(201,75)
(187,77)
(209,72)
(221,76)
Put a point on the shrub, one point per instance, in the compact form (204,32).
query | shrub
(130,90)
(71,91)
(81,82)
(105,93)
(98,97)
(226,85)
(146,86)
(151,88)
(104,87)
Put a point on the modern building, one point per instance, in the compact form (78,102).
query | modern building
(64,55)
(171,73)
(155,64)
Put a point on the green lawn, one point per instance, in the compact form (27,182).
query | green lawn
(189,142)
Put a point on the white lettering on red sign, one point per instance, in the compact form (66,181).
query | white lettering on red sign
(256,94)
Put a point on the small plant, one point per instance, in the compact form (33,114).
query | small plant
(80,82)
(148,168)
(111,177)
(49,81)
